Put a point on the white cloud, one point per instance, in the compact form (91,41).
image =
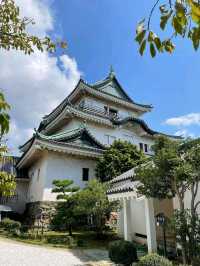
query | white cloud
(34,84)
(185,120)
(184,133)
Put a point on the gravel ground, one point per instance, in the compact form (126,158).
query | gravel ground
(13,253)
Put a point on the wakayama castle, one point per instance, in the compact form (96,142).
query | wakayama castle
(70,139)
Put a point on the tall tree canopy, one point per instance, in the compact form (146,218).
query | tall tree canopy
(175,171)
(120,157)
(14,31)
(178,18)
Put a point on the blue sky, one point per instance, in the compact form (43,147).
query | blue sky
(101,32)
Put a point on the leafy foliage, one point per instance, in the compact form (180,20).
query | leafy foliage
(4,117)
(11,226)
(7,184)
(92,200)
(64,187)
(154,259)
(14,34)
(120,157)
(122,252)
(175,171)
(7,180)
(183,19)
(66,209)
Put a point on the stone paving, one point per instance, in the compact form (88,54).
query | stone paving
(17,254)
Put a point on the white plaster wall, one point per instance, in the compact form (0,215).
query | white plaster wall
(136,220)
(37,175)
(71,125)
(18,204)
(65,167)
(138,217)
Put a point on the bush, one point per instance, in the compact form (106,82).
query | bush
(58,240)
(154,259)
(196,262)
(81,243)
(122,252)
(11,226)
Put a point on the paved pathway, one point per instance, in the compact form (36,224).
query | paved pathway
(19,254)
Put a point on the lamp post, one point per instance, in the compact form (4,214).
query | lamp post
(161,221)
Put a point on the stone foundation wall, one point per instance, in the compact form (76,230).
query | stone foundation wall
(39,211)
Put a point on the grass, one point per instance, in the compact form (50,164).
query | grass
(80,239)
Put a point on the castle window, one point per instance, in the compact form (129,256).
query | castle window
(113,112)
(85,174)
(145,148)
(141,146)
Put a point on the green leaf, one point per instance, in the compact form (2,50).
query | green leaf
(142,47)
(140,26)
(140,36)
(151,36)
(164,20)
(152,50)
(158,43)
(177,26)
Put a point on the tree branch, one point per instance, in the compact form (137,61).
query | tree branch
(151,13)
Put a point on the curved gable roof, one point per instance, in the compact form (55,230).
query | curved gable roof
(144,125)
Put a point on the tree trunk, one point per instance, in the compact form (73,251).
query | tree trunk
(193,244)
(183,237)
(70,230)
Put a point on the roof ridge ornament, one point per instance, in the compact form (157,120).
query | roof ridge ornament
(112,72)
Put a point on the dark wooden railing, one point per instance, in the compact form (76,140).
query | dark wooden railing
(96,110)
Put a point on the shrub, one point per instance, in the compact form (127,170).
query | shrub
(196,262)
(11,226)
(122,252)
(154,259)
(58,240)
(81,243)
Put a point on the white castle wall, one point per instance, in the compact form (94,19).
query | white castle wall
(18,203)
(37,176)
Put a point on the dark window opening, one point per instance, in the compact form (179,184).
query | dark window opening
(85,174)
(141,146)
(141,235)
(113,112)
(145,147)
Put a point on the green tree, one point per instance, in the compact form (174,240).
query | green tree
(177,19)
(92,200)
(120,157)
(7,180)
(14,34)
(65,208)
(175,171)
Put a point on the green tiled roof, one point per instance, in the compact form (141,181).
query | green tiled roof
(144,125)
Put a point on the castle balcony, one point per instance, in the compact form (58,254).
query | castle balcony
(99,111)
